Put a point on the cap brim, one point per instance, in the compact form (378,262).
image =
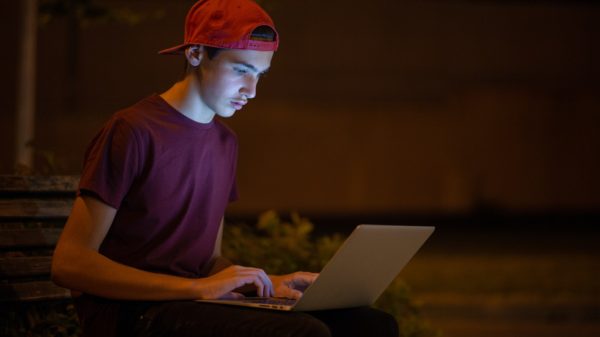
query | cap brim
(246,44)
(177,50)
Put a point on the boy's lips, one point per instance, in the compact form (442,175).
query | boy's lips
(238,104)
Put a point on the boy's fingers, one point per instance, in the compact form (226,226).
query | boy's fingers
(232,295)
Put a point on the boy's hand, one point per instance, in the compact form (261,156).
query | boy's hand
(223,283)
(292,285)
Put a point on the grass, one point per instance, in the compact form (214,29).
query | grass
(495,294)
(545,275)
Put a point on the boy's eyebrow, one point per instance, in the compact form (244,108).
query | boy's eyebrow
(251,67)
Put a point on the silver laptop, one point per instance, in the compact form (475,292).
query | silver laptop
(362,268)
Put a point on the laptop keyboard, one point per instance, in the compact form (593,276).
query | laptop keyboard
(270,300)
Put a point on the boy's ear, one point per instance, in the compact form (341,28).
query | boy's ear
(194,55)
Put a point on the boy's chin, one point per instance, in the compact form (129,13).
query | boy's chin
(227,113)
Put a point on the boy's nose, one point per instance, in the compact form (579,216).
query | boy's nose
(249,87)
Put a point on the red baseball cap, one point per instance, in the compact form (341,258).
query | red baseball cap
(225,24)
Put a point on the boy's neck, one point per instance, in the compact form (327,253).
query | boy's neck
(184,97)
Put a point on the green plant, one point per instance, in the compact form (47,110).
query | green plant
(277,246)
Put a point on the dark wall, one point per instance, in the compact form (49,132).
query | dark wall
(387,106)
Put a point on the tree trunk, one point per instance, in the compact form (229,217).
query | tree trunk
(26,98)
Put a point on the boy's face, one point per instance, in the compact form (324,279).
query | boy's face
(229,79)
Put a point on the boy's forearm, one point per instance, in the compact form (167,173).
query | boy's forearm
(93,273)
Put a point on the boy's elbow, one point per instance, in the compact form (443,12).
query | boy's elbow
(57,271)
(61,270)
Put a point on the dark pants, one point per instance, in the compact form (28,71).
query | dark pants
(188,318)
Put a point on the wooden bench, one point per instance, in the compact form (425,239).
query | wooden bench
(33,211)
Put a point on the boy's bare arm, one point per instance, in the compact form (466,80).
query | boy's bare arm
(78,265)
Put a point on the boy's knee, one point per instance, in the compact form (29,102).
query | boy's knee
(365,322)
(385,324)
(311,327)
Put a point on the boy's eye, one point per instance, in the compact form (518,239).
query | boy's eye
(240,70)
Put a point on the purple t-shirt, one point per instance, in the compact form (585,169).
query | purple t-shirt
(169,178)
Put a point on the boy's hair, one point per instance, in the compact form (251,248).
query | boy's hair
(261,33)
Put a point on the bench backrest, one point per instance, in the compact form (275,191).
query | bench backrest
(33,210)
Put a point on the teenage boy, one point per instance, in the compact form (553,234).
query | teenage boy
(143,238)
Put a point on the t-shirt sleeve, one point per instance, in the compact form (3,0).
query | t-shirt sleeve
(233,193)
(111,163)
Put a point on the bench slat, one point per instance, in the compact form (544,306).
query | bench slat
(11,183)
(35,237)
(35,208)
(32,291)
(27,266)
